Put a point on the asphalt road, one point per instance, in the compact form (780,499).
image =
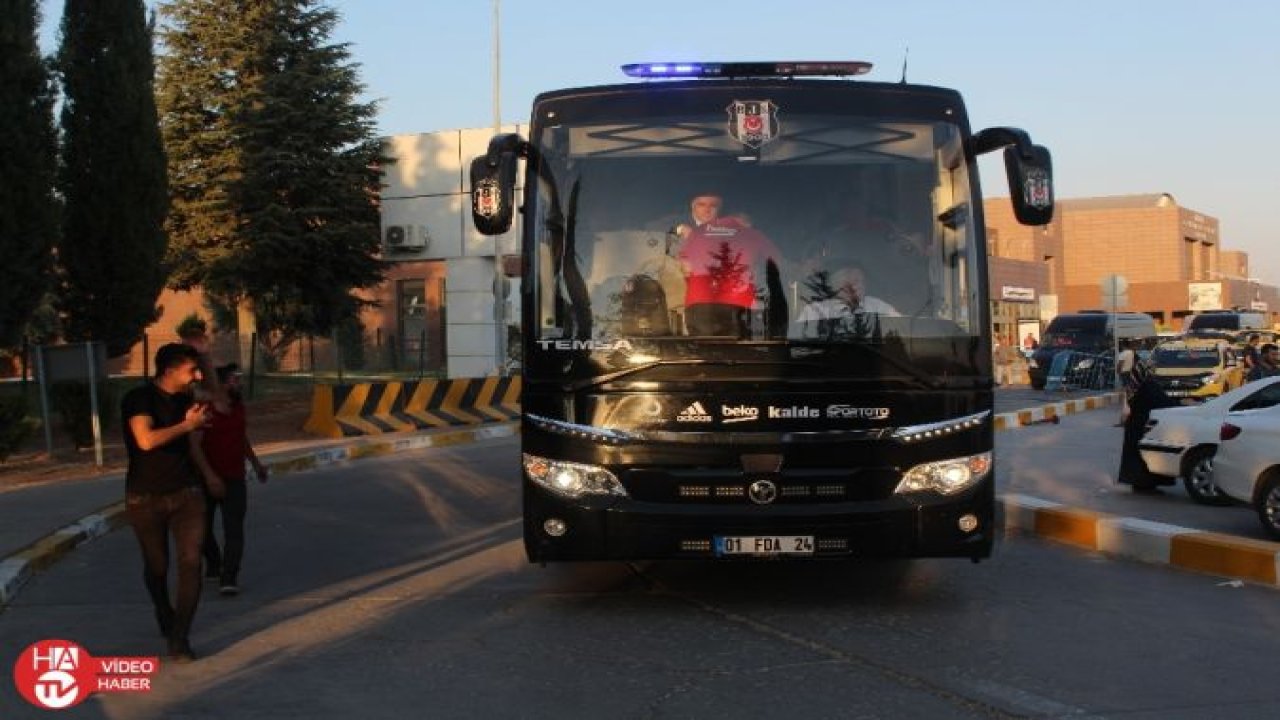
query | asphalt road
(397,588)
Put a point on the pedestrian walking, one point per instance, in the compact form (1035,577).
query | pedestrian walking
(1251,354)
(1124,366)
(1002,358)
(164,496)
(1145,395)
(226,446)
(1268,363)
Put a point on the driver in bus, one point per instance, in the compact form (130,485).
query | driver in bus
(839,303)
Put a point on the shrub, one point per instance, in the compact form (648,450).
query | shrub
(15,426)
(72,402)
(192,326)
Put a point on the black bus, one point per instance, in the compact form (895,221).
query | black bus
(754,314)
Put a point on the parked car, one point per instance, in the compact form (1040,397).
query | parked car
(1247,467)
(1182,442)
(1197,368)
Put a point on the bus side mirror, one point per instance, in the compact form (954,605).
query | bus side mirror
(493,185)
(1030,173)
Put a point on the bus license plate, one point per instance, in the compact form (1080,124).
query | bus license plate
(765,545)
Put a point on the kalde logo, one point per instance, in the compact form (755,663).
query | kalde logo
(849,412)
(795,412)
(739,413)
(58,674)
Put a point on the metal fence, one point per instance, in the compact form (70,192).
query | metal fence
(1071,370)
(331,358)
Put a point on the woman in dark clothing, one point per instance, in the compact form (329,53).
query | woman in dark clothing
(1144,395)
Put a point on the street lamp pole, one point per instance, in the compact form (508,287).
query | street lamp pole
(499,296)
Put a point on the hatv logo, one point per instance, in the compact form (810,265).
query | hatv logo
(694,413)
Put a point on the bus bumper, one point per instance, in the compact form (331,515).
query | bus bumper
(625,529)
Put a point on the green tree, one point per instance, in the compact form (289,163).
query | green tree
(28,152)
(200,81)
(283,213)
(112,175)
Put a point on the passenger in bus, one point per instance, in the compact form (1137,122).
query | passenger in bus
(724,261)
(840,305)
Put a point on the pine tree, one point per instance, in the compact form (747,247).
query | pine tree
(199,82)
(112,175)
(28,151)
(311,175)
(280,206)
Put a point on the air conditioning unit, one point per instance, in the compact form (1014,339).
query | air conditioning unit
(405,238)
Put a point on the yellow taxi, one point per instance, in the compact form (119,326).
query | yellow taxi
(1197,368)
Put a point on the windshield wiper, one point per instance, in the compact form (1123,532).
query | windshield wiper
(610,377)
(925,381)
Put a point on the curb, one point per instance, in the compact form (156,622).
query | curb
(17,568)
(1256,561)
(1053,412)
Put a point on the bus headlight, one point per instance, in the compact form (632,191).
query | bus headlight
(569,479)
(945,477)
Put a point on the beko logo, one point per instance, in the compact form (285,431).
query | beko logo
(584,344)
(849,412)
(695,413)
(739,413)
(794,412)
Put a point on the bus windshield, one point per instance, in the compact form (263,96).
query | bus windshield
(829,229)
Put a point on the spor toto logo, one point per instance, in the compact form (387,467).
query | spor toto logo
(58,674)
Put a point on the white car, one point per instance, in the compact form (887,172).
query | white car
(1181,442)
(1248,461)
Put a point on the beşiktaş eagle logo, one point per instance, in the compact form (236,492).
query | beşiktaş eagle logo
(1037,189)
(485,199)
(695,413)
(753,122)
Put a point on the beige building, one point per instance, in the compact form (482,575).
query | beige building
(1171,256)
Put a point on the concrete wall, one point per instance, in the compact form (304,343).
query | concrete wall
(427,191)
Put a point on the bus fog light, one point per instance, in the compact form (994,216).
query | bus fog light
(569,479)
(555,527)
(945,477)
(968,523)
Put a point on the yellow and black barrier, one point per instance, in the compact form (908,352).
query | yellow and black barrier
(374,408)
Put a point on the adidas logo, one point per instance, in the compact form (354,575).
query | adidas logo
(694,413)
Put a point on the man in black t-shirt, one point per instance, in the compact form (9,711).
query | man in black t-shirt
(163,486)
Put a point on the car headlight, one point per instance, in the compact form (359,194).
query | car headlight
(571,480)
(1085,364)
(1210,379)
(945,477)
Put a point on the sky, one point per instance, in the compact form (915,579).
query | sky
(1131,97)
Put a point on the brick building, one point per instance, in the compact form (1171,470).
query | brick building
(1171,256)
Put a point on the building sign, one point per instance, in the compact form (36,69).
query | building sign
(1204,296)
(1258,305)
(1017,294)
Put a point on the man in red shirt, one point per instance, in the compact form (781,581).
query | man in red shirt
(722,259)
(226,446)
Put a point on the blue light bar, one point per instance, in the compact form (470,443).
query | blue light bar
(745,69)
